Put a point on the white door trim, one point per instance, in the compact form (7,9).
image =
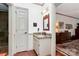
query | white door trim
(10,29)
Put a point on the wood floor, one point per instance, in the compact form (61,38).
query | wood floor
(59,54)
(26,53)
(4,52)
(33,53)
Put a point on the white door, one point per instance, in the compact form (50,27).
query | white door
(21,29)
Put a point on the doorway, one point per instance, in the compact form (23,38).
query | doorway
(3,29)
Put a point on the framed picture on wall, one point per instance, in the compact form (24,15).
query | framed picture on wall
(34,24)
(61,25)
(46,22)
(69,26)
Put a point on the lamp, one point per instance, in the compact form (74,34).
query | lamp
(57,27)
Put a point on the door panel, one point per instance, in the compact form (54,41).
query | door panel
(21,29)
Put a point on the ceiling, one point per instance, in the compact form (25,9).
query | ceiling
(68,9)
(40,4)
(57,4)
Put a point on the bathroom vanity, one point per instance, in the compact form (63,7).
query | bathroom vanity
(42,43)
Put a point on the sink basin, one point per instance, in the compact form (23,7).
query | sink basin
(42,35)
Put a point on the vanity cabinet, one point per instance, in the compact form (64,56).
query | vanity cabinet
(42,45)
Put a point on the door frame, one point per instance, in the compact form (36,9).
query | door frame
(10,29)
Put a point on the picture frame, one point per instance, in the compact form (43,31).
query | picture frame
(61,25)
(69,26)
(34,24)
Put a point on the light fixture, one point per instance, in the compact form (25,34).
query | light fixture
(45,11)
(57,27)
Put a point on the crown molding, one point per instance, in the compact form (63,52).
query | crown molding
(67,15)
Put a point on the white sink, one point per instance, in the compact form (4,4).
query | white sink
(40,35)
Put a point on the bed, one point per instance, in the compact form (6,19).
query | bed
(69,48)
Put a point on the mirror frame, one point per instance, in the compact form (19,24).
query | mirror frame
(46,17)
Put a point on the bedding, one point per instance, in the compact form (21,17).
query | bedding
(70,48)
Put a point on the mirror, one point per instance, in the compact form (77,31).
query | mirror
(46,22)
